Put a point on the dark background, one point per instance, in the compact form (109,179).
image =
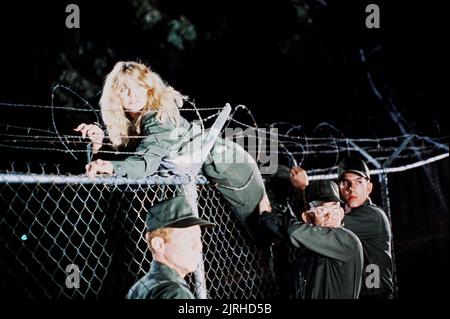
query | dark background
(289,61)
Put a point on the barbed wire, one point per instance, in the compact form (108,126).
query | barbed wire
(236,135)
(309,139)
(424,150)
(289,138)
(318,148)
(369,140)
(239,134)
(79,109)
(68,151)
(196,109)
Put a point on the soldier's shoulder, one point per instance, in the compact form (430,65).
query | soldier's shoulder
(370,214)
(171,290)
(141,289)
(349,237)
(370,210)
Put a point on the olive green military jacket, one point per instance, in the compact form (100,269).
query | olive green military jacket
(371,225)
(161,140)
(162,282)
(338,268)
(229,166)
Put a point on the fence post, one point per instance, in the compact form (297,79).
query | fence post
(201,291)
(192,170)
(384,183)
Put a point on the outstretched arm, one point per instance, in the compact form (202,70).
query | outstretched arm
(147,159)
(336,243)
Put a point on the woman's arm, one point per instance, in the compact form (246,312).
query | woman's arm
(94,133)
(149,153)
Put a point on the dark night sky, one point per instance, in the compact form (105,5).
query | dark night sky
(257,54)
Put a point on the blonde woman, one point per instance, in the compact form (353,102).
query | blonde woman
(136,102)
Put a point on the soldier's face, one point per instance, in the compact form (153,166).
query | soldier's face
(354,189)
(184,248)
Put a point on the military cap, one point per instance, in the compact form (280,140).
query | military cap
(319,192)
(353,165)
(175,212)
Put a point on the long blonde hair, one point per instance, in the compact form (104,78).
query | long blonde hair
(161,98)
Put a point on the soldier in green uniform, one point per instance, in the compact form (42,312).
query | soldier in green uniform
(334,253)
(174,239)
(370,223)
(136,102)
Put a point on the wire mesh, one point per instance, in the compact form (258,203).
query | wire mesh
(45,227)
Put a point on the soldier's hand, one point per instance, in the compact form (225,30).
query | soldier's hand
(299,178)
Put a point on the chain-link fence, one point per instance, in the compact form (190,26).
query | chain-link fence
(48,225)
(49,222)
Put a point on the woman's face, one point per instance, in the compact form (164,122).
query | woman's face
(133,95)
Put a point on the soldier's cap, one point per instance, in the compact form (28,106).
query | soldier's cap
(175,212)
(353,165)
(319,192)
